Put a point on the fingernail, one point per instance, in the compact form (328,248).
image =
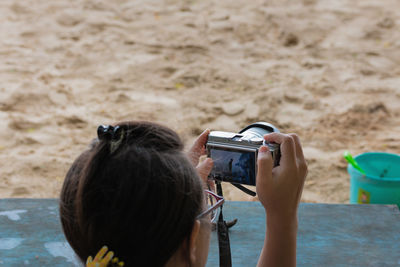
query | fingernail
(111,255)
(263,149)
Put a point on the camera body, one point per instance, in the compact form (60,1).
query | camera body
(235,154)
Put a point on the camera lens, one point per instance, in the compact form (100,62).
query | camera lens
(258,129)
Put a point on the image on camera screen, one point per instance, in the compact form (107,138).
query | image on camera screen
(233,166)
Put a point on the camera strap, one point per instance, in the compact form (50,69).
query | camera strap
(225,258)
(244,189)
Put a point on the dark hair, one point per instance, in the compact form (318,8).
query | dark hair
(141,200)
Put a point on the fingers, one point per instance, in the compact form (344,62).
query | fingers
(302,164)
(264,163)
(201,140)
(299,149)
(198,148)
(204,168)
(287,147)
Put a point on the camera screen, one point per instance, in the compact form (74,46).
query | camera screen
(233,166)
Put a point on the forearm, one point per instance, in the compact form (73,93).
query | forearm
(279,244)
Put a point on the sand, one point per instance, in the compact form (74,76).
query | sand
(327,70)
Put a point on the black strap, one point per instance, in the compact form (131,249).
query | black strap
(225,258)
(244,189)
(219,188)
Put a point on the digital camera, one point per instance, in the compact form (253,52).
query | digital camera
(235,154)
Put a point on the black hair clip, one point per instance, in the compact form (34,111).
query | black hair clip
(111,134)
(105,132)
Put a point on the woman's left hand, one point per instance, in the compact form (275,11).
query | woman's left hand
(196,151)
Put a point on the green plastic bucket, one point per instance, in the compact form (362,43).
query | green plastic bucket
(380,184)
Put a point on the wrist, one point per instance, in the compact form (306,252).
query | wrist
(280,241)
(282,221)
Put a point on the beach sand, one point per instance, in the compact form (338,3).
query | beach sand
(326,70)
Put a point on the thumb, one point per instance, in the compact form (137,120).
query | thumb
(198,147)
(264,163)
(204,168)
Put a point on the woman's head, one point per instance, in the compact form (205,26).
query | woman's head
(134,191)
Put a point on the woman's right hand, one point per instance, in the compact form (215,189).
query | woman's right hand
(279,188)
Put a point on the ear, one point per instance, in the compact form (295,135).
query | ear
(193,241)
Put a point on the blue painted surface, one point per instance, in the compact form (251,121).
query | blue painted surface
(34,225)
(329,235)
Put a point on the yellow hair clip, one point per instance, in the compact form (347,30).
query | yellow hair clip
(102,259)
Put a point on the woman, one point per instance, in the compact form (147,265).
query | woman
(137,192)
